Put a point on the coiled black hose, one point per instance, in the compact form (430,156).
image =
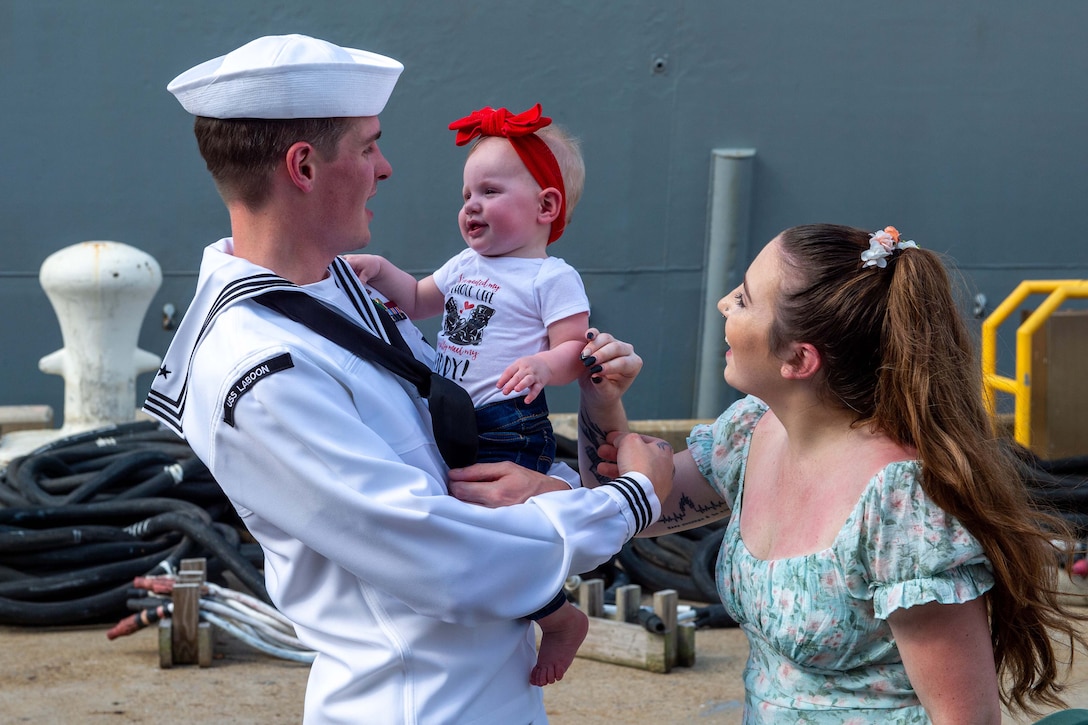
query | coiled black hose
(683,561)
(1058,486)
(82,516)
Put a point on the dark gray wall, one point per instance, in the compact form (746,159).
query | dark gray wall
(961,123)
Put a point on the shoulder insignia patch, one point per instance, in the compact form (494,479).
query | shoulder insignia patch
(245,383)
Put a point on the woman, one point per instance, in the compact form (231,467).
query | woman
(881,553)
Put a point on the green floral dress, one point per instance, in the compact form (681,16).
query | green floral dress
(820,648)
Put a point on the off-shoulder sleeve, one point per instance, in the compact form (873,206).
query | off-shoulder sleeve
(914,551)
(720,449)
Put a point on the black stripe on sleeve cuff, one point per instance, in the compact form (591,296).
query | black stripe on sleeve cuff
(636,499)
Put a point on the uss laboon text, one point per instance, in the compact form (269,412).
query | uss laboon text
(245,383)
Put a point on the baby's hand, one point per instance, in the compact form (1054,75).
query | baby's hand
(527,373)
(365,266)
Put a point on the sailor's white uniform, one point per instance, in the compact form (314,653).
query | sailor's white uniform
(413,600)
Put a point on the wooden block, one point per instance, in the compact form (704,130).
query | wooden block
(621,639)
(187,641)
(628,602)
(665,602)
(591,597)
(205,644)
(166,644)
(685,644)
(186,621)
(621,643)
(198,565)
(674,431)
(205,650)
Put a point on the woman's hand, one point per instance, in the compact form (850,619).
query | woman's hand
(612,365)
(652,457)
(500,484)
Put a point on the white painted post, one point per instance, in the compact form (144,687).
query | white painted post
(100,292)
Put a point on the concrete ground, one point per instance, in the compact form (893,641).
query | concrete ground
(77,675)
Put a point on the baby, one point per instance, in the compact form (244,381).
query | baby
(514,318)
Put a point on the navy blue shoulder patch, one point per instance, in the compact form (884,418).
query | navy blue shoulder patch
(243,384)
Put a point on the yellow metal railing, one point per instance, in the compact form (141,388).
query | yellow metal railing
(1057,291)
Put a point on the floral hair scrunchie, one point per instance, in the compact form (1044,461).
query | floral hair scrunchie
(883,244)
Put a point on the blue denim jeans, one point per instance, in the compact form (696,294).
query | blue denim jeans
(510,430)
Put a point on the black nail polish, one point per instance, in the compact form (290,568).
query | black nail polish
(589,360)
(590,336)
(596,369)
(595,379)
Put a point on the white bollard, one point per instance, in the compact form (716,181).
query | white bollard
(100,292)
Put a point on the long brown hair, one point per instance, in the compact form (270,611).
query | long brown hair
(898,353)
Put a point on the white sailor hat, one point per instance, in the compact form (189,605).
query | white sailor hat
(288,76)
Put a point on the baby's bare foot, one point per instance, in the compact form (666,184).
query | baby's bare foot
(563,632)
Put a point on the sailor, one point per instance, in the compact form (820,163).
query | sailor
(413,600)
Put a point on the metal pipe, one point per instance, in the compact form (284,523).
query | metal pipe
(727,235)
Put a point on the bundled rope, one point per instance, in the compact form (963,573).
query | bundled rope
(82,516)
(239,615)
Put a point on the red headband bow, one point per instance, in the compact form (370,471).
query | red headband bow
(520,129)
